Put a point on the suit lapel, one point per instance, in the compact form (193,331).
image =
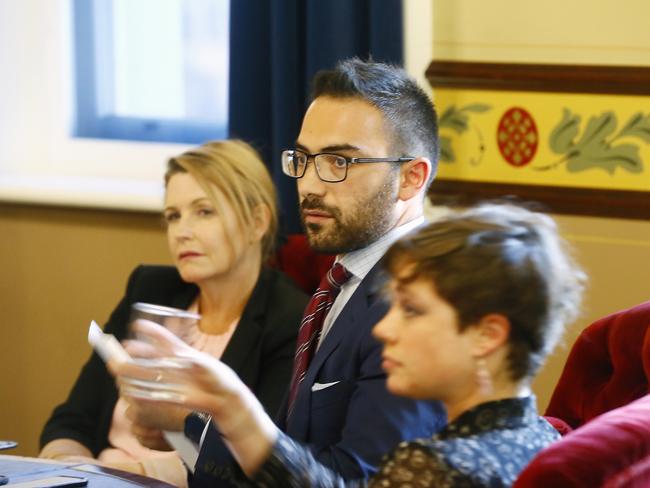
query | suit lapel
(186,294)
(242,342)
(248,330)
(357,306)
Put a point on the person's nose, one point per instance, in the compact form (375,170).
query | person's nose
(183,230)
(310,183)
(384,331)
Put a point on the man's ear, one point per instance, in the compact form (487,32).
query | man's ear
(413,178)
(491,332)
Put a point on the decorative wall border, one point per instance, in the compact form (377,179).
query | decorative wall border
(620,80)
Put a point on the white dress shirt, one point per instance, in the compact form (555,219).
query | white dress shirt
(359,263)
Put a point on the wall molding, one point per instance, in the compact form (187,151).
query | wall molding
(620,80)
(560,200)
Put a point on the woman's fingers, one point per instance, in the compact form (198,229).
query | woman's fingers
(196,399)
(141,349)
(132,369)
(161,338)
(162,379)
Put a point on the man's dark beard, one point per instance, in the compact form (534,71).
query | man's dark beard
(364,225)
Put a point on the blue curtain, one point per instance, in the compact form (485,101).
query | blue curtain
(276,48)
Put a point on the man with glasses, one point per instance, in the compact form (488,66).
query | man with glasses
(365,156)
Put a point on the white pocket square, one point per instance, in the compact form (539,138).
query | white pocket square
(322,386)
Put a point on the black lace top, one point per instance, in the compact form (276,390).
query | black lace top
(487,446)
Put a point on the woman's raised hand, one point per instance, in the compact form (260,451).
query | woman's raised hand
(166,370)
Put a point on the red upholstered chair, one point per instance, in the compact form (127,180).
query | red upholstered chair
(611,451)
(608,367)
(296,259)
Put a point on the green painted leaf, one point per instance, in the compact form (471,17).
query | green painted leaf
(595,148)
(476,107)
(625,156)
(637,126)
(561,138)
(458,121)
(446,115)
(447,154)
(453,119)
(597,130)
(458,124)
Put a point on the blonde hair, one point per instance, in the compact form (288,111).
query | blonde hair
(235,169)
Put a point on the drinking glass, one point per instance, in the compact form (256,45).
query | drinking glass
(178,321)
(167,372)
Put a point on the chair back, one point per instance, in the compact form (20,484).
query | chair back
(610,451)
(608,367)
(296,259)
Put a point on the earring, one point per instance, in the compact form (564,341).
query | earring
(483,378)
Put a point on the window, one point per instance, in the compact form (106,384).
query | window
(151,70)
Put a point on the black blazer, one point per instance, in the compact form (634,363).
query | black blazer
(261,350)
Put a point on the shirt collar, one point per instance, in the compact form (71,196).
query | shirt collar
(361,261)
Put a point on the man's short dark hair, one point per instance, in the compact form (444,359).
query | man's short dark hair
(409,113)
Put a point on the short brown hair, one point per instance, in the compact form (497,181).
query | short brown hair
(411,118)
(499,258)
(235,169)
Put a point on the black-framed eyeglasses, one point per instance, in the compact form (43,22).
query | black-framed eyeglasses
(331,168)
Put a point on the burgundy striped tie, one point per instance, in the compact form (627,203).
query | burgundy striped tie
(312,324)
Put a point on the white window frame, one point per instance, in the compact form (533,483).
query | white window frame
(39,161)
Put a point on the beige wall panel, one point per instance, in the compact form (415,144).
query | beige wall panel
(554,31)
(616,255)
(60,269)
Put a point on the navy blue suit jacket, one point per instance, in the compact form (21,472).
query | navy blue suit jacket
(352,423)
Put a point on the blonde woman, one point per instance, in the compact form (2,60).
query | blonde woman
(221,217)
